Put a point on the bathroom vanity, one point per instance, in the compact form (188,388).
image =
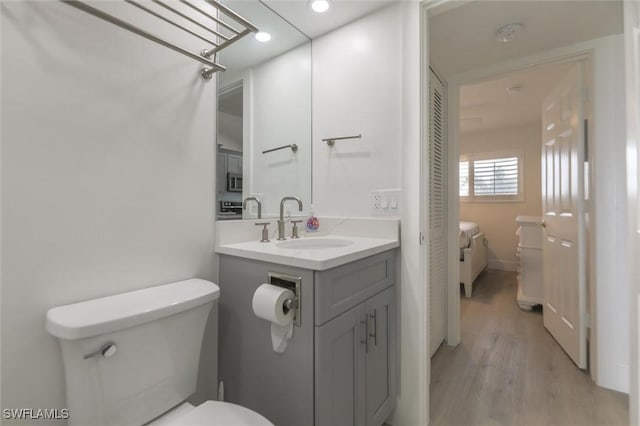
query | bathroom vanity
(339,367)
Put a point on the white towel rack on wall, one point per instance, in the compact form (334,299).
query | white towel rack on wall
(224,25)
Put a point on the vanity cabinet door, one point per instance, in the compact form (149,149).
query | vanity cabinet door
(381,370)
(356,364)
(340,370)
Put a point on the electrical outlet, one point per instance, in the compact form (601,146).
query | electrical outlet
(375,201)
(385,202)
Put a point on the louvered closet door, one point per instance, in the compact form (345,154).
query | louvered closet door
(437,259)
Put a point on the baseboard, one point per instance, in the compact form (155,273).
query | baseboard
(503,265)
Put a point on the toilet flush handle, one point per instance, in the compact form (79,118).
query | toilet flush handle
(107,350)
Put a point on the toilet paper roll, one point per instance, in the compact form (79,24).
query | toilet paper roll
(268,304)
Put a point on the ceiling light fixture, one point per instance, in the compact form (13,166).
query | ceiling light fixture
(319,6)
(508,32)
(263,36)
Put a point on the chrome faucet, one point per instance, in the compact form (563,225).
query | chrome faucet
(258,202)
(281,221)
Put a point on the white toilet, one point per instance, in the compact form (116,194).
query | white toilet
(132,358)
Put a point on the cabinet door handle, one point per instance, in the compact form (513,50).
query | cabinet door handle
(365,342)
(374,317)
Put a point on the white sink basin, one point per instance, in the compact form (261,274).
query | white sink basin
(314,244)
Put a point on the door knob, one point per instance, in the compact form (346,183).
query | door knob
(543,224)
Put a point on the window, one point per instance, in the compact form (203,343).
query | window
(491,177)
(464,178)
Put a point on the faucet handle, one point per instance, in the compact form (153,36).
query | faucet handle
(294,231)
(265,231)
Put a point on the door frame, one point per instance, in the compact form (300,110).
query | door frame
(564,54)
(601,48)
(632,90)
(604,110)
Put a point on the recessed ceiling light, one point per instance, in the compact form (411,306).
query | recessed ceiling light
(263,36)
(508,32)
(319,6)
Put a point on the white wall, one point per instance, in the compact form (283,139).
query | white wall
(107,178)
(357,83)
(230,131)
(610,258)
(497,219)
(413,403)
(366,79)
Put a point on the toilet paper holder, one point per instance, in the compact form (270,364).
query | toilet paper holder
(290,304)
(294,284)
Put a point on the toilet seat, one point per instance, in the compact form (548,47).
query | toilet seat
(213,413)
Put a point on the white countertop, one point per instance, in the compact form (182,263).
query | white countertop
(367,237)
(521,220)
(315,259)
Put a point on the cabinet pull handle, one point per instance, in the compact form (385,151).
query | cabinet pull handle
(365,342)
(374,317)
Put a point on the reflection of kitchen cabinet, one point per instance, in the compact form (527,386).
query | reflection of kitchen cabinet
(234,163)
(221,174)
(355,382)
(227,163)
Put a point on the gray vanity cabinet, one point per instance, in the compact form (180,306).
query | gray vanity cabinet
(338,369)
(355,364)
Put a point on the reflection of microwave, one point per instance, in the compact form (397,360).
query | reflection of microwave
(234,182)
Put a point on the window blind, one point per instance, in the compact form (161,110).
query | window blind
(464,178)
(498,176)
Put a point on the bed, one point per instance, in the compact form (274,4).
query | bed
(473,254)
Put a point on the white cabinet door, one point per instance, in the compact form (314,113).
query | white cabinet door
(563,215)
(234,163)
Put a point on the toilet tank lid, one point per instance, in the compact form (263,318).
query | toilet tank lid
(120,311)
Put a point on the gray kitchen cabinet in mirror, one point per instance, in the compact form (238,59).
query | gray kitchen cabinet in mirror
(264,103)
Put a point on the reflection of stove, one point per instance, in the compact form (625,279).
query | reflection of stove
(229,208)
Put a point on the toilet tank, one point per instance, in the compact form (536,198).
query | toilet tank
(130,357)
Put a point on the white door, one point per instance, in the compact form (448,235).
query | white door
(437,224)
(563,155)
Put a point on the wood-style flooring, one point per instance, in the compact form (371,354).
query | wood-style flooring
(508,370)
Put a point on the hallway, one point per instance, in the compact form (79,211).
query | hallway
(508,370)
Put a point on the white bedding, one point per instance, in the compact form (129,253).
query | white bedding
(467,231)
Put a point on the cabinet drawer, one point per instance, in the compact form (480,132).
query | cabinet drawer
(339,289)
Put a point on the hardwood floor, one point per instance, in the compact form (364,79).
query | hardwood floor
(508,370)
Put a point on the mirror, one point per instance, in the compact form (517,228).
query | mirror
(264,117)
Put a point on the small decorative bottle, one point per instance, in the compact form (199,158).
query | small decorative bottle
(312,222)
